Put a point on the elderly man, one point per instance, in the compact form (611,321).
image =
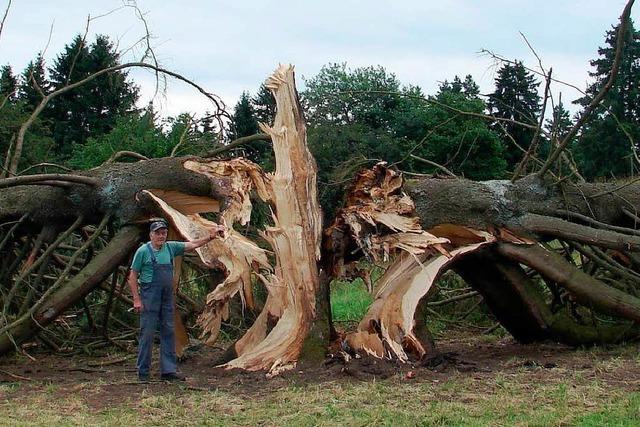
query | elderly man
(151,282)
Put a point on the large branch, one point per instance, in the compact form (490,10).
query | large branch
(501,203)
(556,227)
(519,304)
(586,289)
(113,188)
(98,270)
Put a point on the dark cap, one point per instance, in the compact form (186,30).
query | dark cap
(157,225)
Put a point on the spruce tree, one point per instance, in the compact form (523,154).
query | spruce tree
(245,123)
(604,149)
(92,109)
(8,84)
(515,98)
(33,75)
(264,106)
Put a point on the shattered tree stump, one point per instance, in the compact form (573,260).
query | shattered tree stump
(515,243)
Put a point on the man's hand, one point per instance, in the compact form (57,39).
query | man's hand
(217,230)
(137,305)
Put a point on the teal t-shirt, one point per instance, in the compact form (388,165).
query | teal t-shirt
(142,259)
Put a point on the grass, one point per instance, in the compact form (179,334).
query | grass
(349,300)
(511,399)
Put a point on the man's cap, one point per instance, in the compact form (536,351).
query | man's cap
(157,225)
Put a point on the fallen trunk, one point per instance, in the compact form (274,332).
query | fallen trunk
(545,256)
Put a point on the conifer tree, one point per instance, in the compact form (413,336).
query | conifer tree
(604,149)
(34,74)
(515,98)
(8,84)
(245,123)
(92,109)
(264,106)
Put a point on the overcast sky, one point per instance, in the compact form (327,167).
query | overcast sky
(232,46)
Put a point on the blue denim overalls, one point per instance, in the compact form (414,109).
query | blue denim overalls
(157,301)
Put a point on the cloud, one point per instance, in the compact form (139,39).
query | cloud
(229,47)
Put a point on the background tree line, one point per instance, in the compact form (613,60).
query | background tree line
(355,117)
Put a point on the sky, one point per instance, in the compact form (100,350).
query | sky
(229,47)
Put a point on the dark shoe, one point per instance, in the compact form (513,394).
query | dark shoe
(143,379)
(172,377)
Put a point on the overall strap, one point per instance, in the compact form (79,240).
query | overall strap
(153,257)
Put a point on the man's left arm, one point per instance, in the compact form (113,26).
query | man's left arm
(215,231)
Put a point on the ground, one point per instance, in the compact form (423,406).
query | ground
(481,380)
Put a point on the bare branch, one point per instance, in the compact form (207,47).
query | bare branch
(534,142)
(453,299)
(596,223)
(15,157)
(237,143)
(121,154)
(45,164)
(439,166)
(613,190)
(542,74)
(551,226)
(4,18)
(183,136)
(29,179)
(80,46)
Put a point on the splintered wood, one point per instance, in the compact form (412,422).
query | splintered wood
(294,237)
(380,220)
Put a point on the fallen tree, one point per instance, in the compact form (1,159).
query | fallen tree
(553,259)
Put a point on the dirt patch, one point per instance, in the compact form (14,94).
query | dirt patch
(106,381)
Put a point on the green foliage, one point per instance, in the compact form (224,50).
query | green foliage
(340,152)
(37,141)
(264,106)
(131,133)
(145,135)
(8,84)
(351,116)
(92,109)
(462,143)
(31,94)
(605,147)
(515,98)
(358,117)
(367,96)
(244,122)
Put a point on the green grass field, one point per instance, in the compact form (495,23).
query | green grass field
(509,385)
(506,400)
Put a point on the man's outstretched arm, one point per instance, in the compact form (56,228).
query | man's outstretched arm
(215,231)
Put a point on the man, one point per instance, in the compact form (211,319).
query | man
(151,282)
